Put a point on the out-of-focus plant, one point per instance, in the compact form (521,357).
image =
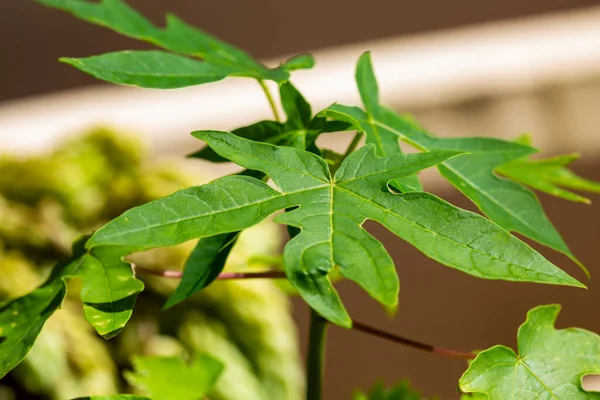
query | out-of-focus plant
(323,198)
(47,201)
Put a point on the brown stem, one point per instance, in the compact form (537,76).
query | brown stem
(412,343)
(223,276)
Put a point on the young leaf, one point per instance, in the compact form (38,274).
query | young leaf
(148,69)
(400,391)
(510,205)
(22,319)
(550,363)
(177,36)
(550,175)
(330,212)
(385,141)
(170,378)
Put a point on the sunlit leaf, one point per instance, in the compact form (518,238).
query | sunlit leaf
(170,378)
(549,364)
(550,175)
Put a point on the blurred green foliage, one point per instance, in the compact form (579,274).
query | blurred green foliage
(48,201)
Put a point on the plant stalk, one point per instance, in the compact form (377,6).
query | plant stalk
(223,276)
(353,144)
(315,361)
(412,343)
(265,89)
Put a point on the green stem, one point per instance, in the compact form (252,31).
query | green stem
(315,362)
(353,144)
(270,99)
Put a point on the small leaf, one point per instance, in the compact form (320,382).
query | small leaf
(169,378)
(550,175)
(109,290)
(330,212)
(301,61)
(296,107)
(550,362)
(203,266)
(177,36)
(148,69)
(400,391)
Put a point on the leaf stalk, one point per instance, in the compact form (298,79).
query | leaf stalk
(315,361)
(265,89)
(271,274)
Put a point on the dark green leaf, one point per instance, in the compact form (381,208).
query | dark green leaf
(22,319)
(510,205)
(177,36)
(330,213)
(549,365)
(297,109)
(148,69)
(203,266)
(550,175)
(169,378)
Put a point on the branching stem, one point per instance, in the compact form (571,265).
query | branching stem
(223,276)
(412,343)
(315,361)
(265,89)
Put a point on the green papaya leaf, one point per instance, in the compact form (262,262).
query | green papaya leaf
(509,204)
(301,61)
(400,391)
(177,36)
(148,69)
(170,378)
(203,266)
(550,175)
(550,362)
(330,212)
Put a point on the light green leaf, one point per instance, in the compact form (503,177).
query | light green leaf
(177,36)
(400,391)
(550,175)
(301,61)
(549,365)
(509,204)
(114,397)
(330,213)
(170,378)
(109,290)
(148,69)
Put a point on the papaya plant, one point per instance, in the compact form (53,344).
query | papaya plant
(323,198)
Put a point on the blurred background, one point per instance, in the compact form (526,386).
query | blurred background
(461,68)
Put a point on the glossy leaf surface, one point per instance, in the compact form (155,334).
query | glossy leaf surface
(549,365)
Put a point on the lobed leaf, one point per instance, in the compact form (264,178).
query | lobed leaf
(177,36)
(330,211)
(170,378)
(509,204)
(550,363)
(551,176)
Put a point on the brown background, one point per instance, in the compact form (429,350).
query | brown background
(437,305)
(33,37)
